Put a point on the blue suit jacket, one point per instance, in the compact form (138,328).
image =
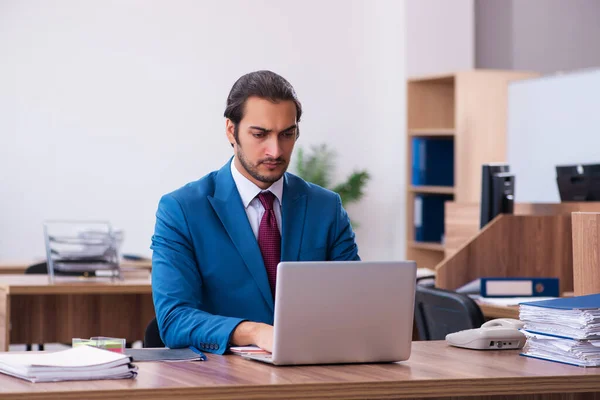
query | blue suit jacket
(207,270)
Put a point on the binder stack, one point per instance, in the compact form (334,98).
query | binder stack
(565,330)
(432,166)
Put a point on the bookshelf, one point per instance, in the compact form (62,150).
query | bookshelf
(428,246)
(431,132)
(432,189)
(469,108)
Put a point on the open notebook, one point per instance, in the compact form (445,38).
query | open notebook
(78,363)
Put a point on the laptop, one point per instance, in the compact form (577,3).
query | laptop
(331,312)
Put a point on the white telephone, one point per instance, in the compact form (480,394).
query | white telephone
(501,333)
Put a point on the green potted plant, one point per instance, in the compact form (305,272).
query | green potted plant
(318,165)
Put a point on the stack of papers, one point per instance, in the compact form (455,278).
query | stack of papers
(564,330)
(78,363)
(585,353)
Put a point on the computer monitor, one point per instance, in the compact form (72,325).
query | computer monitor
(497,191)
(578,182)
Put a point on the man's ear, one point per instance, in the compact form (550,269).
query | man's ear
(230,131)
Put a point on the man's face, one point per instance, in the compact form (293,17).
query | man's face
(266,138)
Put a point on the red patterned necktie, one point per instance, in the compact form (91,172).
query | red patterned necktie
(269,238)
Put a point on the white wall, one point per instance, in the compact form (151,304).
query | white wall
(537,35)
(107,105)
(555,35)
(552,120)
(439,36)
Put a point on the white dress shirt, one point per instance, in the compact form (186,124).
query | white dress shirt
(254,208)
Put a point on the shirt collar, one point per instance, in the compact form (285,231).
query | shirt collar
(248,190)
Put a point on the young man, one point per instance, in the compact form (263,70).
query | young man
(217,241)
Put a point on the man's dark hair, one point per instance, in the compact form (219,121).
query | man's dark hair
(265,85)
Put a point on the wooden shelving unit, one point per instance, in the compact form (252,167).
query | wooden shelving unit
(427,246)
(432,189)
(431,132)
(471,108)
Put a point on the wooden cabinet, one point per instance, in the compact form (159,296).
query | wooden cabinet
(469,107)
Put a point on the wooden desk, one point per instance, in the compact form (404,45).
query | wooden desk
(13,268)
(19,267)
(495,311)
(492,312)
(434,370)
(34,311)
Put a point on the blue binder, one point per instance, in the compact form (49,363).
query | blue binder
(417,168)
(429,217)
(519,287)
(552,359)
(589,302)
(433,161)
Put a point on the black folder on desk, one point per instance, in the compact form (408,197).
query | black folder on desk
(164,354)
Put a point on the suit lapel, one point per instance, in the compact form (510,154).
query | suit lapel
(230,210)
(293,211)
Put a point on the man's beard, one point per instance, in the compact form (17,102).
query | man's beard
(253,170)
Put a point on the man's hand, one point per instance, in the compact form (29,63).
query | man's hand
(255,333)
(264,337)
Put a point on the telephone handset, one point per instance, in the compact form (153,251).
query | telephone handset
(504,322)
(501,333)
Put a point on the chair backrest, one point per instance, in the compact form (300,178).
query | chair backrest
(152,335)
(439,312)
(40,268)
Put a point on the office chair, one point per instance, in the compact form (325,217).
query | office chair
(152,335)
(39,268)
(42,269)
(439,312)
